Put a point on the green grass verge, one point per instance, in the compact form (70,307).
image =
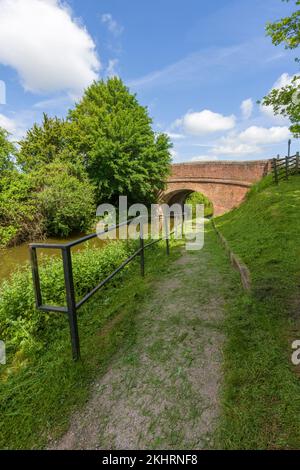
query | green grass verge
(261,398)
(41,390)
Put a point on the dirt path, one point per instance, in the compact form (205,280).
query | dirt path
(163,393)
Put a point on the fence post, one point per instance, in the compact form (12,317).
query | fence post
(275,170)
(71,303)
(297,162)
(36,277)
(286,168)
(167,235)
(142,246)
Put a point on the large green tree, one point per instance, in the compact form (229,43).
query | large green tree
(7,151)
(286,100)
(112,133)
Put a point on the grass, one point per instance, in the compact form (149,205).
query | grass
(261,397)
(38,398)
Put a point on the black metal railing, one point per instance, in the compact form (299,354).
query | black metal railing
(283,168)
(72,305)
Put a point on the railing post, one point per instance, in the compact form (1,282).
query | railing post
(35,277)
(71,303)
(275,170)
(286,168)
(142,247)
(167,235)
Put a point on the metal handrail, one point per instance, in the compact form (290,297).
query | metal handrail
(72,306)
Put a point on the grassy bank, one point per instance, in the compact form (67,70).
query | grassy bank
(40,385)
(261,399)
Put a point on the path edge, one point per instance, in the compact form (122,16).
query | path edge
(235,260)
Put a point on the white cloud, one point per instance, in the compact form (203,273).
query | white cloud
(111,68)
(112,24)
(8,124)
(234,148)
(205,122)
(251,141)
(263,135)
(15,127)
(284,80)
(205,158)
(175,136)
(49,49)
(247,108)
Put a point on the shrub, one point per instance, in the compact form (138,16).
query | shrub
(198,198)
(65,198)
(21,325)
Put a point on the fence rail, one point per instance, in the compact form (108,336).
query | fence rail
(72,305)
(283,168)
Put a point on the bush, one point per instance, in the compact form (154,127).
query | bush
(198,198)
(23,327)
(57,199)
(65,198)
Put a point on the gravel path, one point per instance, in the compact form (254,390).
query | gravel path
(162,393)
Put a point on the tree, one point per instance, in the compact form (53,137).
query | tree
(7,151)
(45,143)
(286,100)
(64,198)
(122,155)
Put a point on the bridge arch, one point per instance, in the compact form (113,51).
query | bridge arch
(225,184)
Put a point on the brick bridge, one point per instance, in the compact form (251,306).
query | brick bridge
(224,183)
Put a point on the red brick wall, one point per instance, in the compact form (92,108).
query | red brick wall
(225,195)
(242,171)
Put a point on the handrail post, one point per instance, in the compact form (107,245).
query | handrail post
(35,277)
(297,162)
(275,170)
(142,247)
(286,168)
(167,235)
(71,303)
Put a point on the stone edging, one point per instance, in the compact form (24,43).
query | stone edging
(235,261)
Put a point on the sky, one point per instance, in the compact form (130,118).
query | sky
(199,66)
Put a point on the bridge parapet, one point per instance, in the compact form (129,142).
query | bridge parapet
(224,183)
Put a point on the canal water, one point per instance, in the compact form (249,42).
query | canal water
(13,258)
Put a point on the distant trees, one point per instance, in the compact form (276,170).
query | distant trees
(104,148)
(286,100)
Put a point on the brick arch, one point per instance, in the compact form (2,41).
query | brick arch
(224,183)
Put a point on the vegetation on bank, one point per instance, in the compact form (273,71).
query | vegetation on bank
(51,184)
(261,399)
(40,385)
(198,198)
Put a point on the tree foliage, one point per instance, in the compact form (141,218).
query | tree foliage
(44,143)
(64,198)
(105,148)
(7,151)
(112,133)
(287,30)
(286,100)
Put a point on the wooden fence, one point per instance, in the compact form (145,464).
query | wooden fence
(283,168)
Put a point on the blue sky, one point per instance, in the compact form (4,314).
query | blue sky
(199,66)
